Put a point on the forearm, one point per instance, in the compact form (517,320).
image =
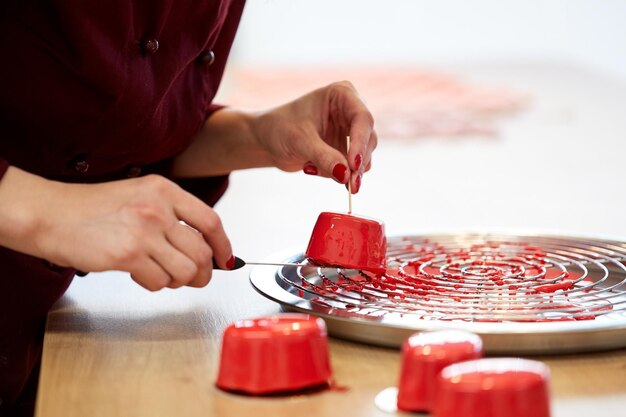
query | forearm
(308,134)
(24,201)
(226,142)
(147,226)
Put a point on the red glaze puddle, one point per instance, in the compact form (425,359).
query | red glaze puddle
(335,387)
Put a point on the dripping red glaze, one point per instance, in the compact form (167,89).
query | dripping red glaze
(522,281)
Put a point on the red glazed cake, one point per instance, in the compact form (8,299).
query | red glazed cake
(424,355)
(348,241)
(495,387)
(274,354)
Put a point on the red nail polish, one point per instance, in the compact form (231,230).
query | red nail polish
(310,169)
(231,262)
(340,172)
(357,184)
(358,159)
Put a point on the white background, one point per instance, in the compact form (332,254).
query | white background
(557,167)
(302,32)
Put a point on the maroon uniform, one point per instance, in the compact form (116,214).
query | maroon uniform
(94,91)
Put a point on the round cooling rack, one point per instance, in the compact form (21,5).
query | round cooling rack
(522,294)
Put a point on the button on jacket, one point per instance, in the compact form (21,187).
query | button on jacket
(95,91)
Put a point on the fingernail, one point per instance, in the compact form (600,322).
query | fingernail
(340,172)
(357,184)
(358,159)
(231,262)
(310,169)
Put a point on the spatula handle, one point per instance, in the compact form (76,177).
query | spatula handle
(239,263)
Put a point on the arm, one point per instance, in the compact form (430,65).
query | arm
(308,133)
(131,225)
(226,142)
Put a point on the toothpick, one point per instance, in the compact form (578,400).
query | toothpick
(349,178)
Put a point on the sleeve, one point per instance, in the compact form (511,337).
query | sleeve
(4,165)
(207,189)
(210,189)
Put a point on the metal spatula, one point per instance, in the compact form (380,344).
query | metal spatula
(240,263)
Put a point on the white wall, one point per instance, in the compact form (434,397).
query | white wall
(303,32)
(556,167)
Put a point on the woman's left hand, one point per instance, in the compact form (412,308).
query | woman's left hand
(310,133)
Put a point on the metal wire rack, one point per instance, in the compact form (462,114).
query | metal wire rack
(532,294)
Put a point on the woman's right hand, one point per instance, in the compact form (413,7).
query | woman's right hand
(150,227)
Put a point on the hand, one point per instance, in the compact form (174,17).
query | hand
(132,225)
(310,134)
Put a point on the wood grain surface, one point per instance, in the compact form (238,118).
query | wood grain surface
(114,349)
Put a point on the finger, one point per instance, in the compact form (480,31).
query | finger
(371,146)
(201,217)
(361,128)
(310,169)
(357,175)
(328,161)
(352,110)
(355,182)
(176,263)
(150,275)
(190,242)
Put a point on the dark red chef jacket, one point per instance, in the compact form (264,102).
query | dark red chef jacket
(95,91)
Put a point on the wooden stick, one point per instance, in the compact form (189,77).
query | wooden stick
(349,177)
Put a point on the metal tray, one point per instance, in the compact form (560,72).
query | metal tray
(584,308)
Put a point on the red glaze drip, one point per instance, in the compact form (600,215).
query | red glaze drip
(429,273)
(333,386)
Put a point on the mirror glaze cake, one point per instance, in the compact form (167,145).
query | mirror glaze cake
(348,241)
(275,354)
(494,387)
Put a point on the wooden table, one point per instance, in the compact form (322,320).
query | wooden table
(113,349)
